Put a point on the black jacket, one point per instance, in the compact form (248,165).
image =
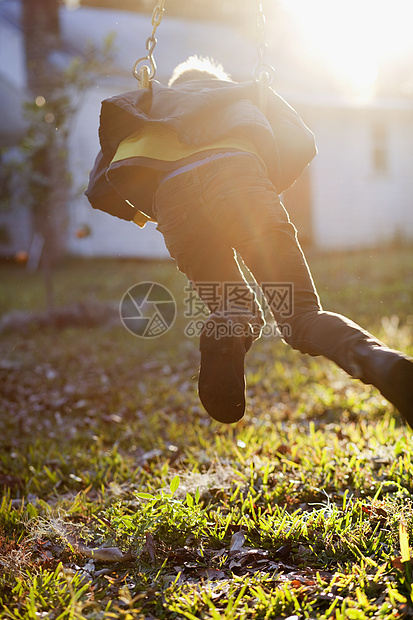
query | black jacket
(201,112)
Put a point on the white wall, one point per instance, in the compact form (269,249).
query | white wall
(354,205)
(12,61)
(109,236)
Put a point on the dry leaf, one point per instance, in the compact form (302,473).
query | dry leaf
(150,547)
(237,541)
(102,554)
(211,573)
(397,563)
(375,512)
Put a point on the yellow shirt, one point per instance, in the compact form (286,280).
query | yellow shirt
(160,142)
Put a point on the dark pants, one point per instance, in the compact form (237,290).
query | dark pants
(228,205)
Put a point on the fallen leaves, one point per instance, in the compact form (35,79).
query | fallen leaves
(150,547)
(237,541)
(193,563)
(101,554)
(56,527)
(375,512)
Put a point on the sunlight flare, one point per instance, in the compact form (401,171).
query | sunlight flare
(355,37)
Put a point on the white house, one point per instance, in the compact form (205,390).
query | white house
(357,192)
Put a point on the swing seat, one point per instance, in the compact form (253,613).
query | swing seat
(283,140)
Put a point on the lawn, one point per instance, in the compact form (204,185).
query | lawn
(122,499)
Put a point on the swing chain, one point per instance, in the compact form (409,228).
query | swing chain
(264,71)
(146,72)
(260,21)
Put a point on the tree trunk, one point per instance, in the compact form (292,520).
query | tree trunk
(41,29)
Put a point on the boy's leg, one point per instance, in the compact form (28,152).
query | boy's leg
(251,218)
(206,259)
(316,332)
(210,264)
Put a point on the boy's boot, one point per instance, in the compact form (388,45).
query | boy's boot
(389,371)
(221,383)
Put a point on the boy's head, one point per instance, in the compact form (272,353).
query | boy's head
(198,68)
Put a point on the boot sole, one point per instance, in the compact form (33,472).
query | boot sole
(221,382)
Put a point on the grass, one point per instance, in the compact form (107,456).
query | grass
(122,499)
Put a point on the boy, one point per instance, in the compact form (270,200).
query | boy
(202,159)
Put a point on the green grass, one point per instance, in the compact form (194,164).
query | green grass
(302,509)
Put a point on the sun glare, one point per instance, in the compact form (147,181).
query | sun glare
(354,37)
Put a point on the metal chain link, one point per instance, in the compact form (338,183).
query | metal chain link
(260,21)
(146,71)
(264,72)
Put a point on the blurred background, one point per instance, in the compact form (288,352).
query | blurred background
(347,67)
